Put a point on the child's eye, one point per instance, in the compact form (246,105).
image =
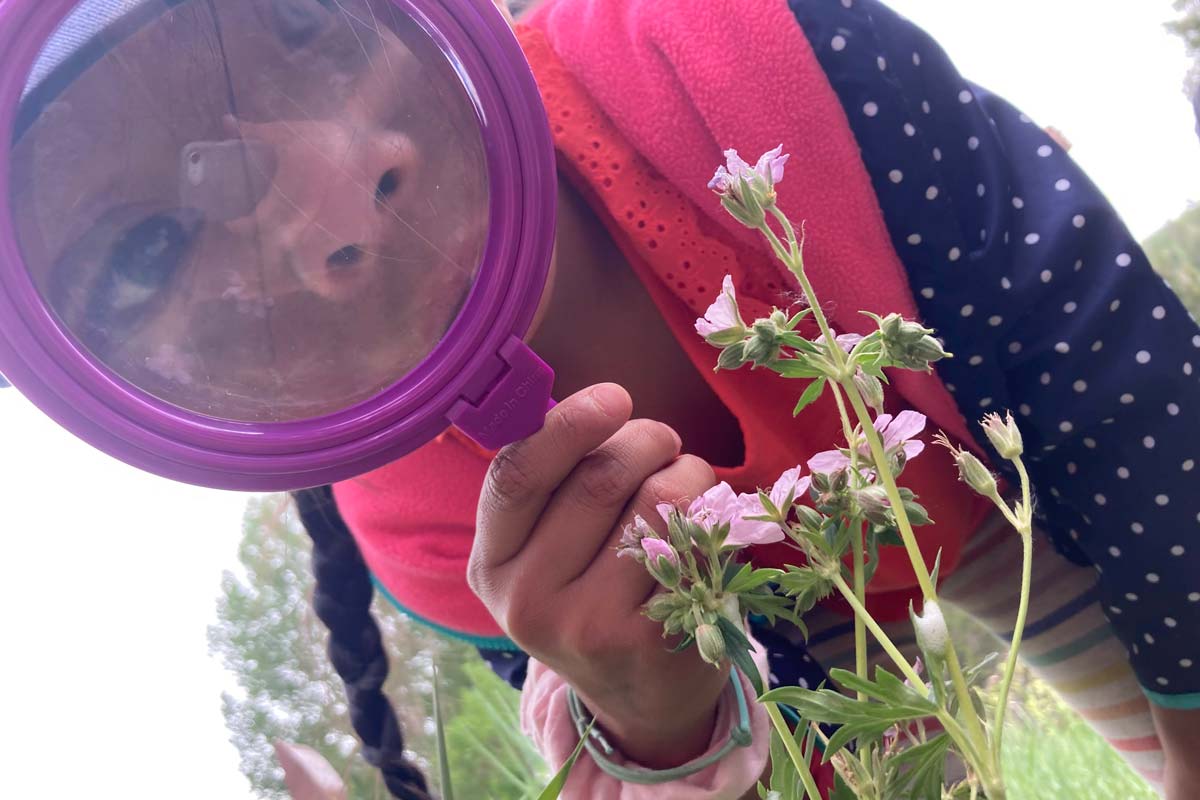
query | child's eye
(388,183)
(150,252)
(297,22)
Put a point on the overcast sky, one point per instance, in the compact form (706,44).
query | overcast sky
(108,577)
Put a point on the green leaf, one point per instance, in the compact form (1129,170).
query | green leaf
(937,566)
(796,367)
(773,606)
(889,536)
(841,791)
(901,698)
(858,719)
(555,786)
(920,770)
(797,317)
(739,648)
(810,395)
(749,578)
(443,755)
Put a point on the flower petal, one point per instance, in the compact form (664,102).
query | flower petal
(828,461)
(913,448)
(905,426)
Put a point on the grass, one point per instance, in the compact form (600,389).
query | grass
(1066,760)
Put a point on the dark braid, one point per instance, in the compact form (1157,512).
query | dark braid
(343,600)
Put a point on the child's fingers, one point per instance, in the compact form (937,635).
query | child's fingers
(580,517)
(524,475)
(624,582)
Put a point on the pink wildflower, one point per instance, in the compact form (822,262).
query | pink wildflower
(722,318)
(658,549)
(897,433)
(760,531)
(763,175)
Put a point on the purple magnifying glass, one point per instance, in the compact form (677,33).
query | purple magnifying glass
(270,244)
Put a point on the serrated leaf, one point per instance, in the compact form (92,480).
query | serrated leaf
(749,579)
(887,689)
(810,395)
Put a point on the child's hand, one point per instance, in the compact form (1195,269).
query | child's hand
(544,563)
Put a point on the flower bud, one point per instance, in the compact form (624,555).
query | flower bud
(809,518)
(732,356)
(662,561)
(631,539)
(875,505)
(1004,435)
(710,643)
(917,515)
(889,326)
(930,625)
(871,390)
(928,349)
(677,531)
(762,347)
(973,473)
(662,605)
(840,480)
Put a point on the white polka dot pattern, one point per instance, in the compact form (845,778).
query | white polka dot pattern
(1026,271)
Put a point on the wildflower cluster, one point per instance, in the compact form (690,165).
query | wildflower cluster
(836,517)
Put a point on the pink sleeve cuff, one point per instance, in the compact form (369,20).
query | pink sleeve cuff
(546,720)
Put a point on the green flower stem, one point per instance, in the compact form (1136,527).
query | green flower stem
(893,492)
(860,594)
(789,742)
(970,748)
(974,726)
(860,611)
(794,260)
(1010,665)
(1025,529)
(856,543)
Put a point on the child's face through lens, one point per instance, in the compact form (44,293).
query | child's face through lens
(257,209)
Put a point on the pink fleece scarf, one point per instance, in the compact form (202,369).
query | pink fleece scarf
(684,82)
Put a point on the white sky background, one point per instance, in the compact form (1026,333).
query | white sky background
(108,577)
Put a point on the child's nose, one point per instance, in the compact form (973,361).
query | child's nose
(336,191)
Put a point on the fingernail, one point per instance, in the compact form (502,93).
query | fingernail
(678,441)
(609,398)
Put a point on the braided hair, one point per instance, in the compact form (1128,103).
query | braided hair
(342,600)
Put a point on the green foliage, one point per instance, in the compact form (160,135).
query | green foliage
(1174,251)
(271,642)
(488,753)
(861,720)
(917,772)
(1187,27)
(555,787)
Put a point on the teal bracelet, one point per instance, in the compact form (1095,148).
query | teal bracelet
(598,747)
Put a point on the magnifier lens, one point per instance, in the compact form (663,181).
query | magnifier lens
(259,210)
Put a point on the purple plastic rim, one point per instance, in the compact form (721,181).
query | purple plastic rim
(51,369)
